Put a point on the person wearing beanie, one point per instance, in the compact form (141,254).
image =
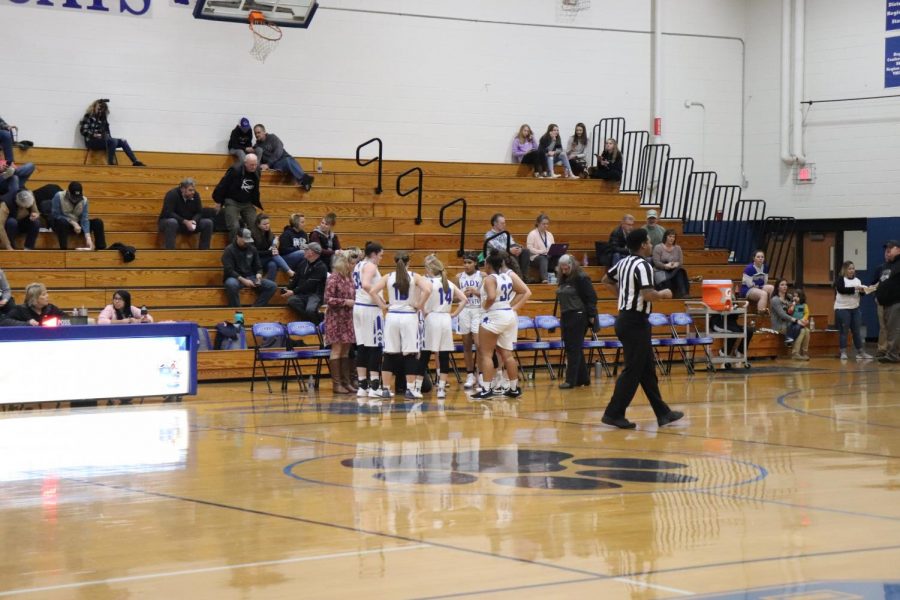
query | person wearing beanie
(19,216)
(240,143)
(69,214)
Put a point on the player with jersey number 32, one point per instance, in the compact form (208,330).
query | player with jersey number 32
(504,293)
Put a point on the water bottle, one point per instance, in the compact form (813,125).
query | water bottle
(584,260)
(83,312)
(318,166)
(239,319)
(310,383)
(812,324)
(551,278)
(598,370)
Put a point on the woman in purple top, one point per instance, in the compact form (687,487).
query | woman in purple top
(525,149)
(754,283)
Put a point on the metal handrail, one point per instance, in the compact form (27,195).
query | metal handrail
(378,188)
(462,232)
(490,238)
(418,188)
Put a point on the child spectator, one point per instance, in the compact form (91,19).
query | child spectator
(293,240)
(240,143)
(848,289)
(267,245)
(325,236)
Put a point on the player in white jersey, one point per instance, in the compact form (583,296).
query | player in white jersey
(368,323)
(439,321)
(470,284)
(505,293)
(407,293)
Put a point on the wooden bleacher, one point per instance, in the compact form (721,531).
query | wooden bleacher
(187,285)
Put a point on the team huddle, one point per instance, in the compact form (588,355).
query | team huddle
(401,319)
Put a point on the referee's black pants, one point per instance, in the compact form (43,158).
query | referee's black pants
(634,331)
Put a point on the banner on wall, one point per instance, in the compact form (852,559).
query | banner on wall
(892,62)
(135,8)
(893,15)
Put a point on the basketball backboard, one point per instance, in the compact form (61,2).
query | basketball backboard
(284,13)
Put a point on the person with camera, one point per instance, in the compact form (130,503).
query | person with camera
(121,312)
(95,131)
(578,309)
(181,213)
(242,268)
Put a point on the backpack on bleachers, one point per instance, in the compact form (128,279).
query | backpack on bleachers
(43,196)
(228,337)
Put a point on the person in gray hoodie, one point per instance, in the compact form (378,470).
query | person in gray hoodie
(272,155)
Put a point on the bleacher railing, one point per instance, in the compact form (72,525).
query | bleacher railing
(491,238)
(378,188)
(777,237)
(650,172)
(631,145)
(460,219)
(675,186)
(417,188)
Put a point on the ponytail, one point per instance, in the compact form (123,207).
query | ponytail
(401,281)
(435,266)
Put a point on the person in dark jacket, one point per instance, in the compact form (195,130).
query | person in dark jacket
(35,308)
(240,143)
(95,131)
(551,150)
(69,214)
(617,248)
(242,268)
(272,155)
(888,296)
(325,236)
(19,216)
(306,290)
(181,212)
(609,163)
(293,240)
(578,309)
(237,193)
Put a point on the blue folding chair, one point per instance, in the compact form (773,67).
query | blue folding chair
(526,326)
(551,324)
(666,341)
(270,346)
(598,343)
(693,338)
(301,331)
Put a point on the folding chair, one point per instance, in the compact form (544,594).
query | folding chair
(669,340)
(549,324)
(298,331)
(693,338)
(269,345)
(604,321)
(526,324)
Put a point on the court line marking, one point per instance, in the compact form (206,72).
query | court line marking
(782,401)
(200,571)
(550,584)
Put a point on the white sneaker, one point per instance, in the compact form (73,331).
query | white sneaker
(441,392)
(844,356)
(470,381)
(555,175)
(374,392)
(863,356)
(362,392)
(415,394)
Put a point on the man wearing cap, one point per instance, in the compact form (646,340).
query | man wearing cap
(272,155)
(181,212)
(19,216)
(888,297)
(654,229)
(242,268)
(240,144)
(69,213)
(306,290)
(237,193)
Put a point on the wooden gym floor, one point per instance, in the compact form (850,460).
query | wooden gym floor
(785,477)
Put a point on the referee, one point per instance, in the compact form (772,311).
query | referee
(632,279)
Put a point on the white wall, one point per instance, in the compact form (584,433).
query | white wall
(433,89)
(854,145)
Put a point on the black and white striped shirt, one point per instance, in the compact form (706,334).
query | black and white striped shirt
(633,273)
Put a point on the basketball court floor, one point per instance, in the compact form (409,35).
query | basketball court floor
(782,482)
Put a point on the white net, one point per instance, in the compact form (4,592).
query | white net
(265,39)
(568,10)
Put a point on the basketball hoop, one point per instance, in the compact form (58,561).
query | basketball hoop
(265,36)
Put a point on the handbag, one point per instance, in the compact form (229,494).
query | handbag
(659,276)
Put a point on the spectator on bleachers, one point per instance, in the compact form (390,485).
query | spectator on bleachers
(292,240)
(95,131)
(578,311)
(520,254)
(6,299)
(6,140)
(238,193)
(272,155)
(339,297)
(848,289)
(754,282)
(121,311)
(240,142)
(13,179)
(654,229)
(325,236)
(69,214)
(181,213)
(617,249)
(552,152)
(577,149)
(609,163)
(35,308)
(306,290)
(19,216)
(242,268)
(888,296)
(783,320)
(667,264)
(267,245)
(539,241)
(525,150)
